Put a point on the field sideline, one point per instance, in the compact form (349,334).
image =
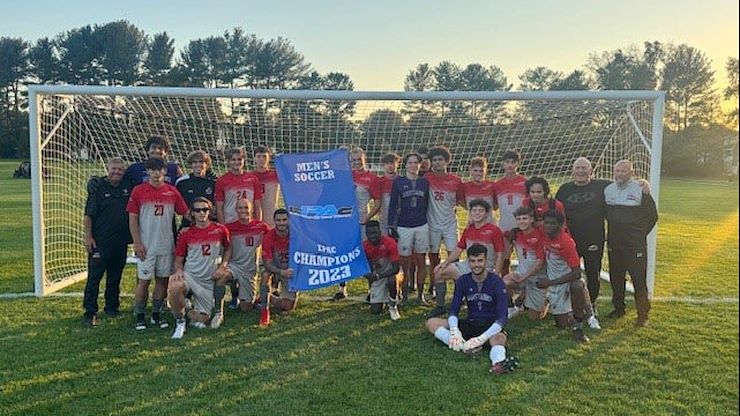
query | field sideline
(334,358)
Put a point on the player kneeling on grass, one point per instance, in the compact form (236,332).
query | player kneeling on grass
(528,241)
(275,256)
(204,274)
(485,296)
(481,232)
(564,284)
(246,239)
(382,253)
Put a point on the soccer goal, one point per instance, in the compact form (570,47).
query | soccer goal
(74,130)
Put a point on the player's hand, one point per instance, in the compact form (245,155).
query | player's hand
(178,276)
(287,273)
(140,251)
(456,339)
(644,185)
(221,273)
(393,233)
(473,343)
(543,283)
(182,230)
(515,277)
(438,269)
(90,244)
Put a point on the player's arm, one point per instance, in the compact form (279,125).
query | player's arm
(133,225)
(452,257)
(256,208)
(536,267)
(650,212)
(499,263)
(393,206)
(90,243)
(220,197)
(456,339)
(574,274)
(179,273)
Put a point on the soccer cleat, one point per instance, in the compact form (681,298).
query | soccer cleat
(641,322)
(593,323)
(140,324)
(265,317)
(393,311)
(615,314)
(579,336)
(339,296)
(506,366)
(198,324)
(179,330)
(437,311)
(217,320)
(234,303)
(157,320)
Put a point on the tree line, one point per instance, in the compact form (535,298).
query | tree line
(119,53)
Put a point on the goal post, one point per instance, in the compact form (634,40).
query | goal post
(75,130)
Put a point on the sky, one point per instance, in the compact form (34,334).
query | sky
(378,42)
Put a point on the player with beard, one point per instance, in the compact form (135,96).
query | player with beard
(275,257)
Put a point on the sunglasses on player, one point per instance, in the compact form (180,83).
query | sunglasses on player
(200,209)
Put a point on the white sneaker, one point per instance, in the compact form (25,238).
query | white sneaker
(179,330)
(393,311)
(593,323)
(198,324)
(217,320)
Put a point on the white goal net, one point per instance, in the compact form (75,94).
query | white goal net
(75,130)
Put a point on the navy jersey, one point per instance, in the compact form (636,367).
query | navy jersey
(409,202)
(136,173)
(487,301)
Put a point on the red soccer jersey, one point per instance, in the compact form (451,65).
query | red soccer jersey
(246,240)
(561,255)
(510,192)
(541,209)
(276,247)
(269,186)
(480,190)
(203,248)
(156,208)
(230,188)
(489,235)
(386,185)
(444,193)
(386,249)
(529,249)
(367,187)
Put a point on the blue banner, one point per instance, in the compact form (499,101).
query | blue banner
(325,241)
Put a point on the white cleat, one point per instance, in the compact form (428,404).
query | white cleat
(393,311)
(179,330)
(593,323)
(217,320)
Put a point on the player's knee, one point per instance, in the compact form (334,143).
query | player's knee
(287,304)
(434,323)
(576,286)
(498,339)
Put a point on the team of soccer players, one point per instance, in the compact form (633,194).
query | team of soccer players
(223,233)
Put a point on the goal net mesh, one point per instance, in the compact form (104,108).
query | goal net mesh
(80,133)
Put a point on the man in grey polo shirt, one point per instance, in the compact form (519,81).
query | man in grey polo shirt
(631,215)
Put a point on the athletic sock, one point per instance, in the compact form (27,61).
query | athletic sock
(157,305)
(265,296)
(498,354)
(139,307)
(392,301)
(218,296)
(443,334)
(441,289)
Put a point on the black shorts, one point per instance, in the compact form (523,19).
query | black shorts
(470,329)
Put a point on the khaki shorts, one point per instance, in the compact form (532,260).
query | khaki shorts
(201,291)
(155,266)
(379,292)
(534,297)
(448,235)
(413,240)
(559,298)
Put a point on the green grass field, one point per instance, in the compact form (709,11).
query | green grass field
(334,358)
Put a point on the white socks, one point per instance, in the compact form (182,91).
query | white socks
(443,334)
(498,353)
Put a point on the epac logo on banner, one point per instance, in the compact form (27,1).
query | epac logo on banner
(325,241)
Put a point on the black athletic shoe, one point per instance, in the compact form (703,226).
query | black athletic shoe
(437,311)
(140,322)
(615,314)
(339,296)
(158,321)
(579,336)
(502,367)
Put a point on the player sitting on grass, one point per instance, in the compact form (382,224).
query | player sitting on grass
(528,241)
(478,232)
(152,207)
(204,274)
(246,239)
(485,296)
(275,256)
(384,280)
(565,285)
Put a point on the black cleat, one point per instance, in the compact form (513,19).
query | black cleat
(158,321)
(140,324)
(508,365)
(339,296)
(615,314)
(579,336)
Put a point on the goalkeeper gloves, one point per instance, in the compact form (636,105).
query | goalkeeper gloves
(456,339)
(474,343)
